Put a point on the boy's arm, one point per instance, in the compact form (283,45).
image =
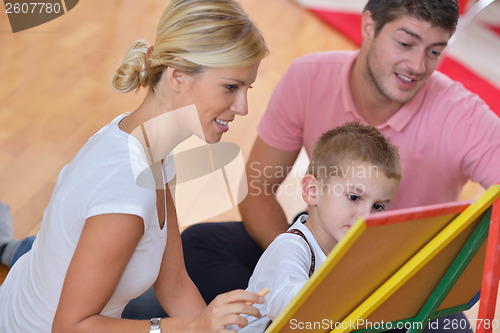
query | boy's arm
(284,269)
(263,216)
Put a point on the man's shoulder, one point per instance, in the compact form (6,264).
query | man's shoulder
(320,59)
(449,94)
(442,85)
(447,101)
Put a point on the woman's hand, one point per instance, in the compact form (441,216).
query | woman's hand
(225,310)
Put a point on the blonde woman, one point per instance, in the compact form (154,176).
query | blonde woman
(103,238)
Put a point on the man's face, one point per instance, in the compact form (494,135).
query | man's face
(402,56)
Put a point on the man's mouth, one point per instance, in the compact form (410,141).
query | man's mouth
(405,78)
(405,82)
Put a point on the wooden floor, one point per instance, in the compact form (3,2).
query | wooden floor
(55,90)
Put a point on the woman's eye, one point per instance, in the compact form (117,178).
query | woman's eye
(353,197)
(231,87)
(378,207)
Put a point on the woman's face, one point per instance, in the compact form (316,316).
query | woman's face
(219,95)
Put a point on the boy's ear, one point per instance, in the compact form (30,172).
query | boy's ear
(310,189)
(367,26)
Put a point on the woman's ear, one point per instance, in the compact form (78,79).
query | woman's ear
(310,189)
(367,26)
(175,78)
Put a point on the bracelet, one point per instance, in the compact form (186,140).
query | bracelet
(155,325)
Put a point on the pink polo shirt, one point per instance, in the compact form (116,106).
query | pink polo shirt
(445,134)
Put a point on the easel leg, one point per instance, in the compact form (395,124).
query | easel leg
(452,275)
(491,275)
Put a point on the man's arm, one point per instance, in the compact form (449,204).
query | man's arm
(263,216)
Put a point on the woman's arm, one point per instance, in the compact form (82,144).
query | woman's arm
(103,251)
(174,289)
(179,296)
(105,247)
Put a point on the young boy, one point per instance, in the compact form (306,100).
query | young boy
(354,171)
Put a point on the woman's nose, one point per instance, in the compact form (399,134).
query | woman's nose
(240,105)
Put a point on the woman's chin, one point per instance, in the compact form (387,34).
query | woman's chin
(211,137)
(214,139)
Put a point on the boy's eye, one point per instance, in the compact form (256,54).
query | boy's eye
(405,45)
(353,197)
(378,207)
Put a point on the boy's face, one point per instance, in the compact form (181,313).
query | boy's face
(341,200)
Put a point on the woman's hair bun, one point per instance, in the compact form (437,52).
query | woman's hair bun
(133,72)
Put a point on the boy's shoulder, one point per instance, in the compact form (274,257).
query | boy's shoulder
(292,238)
(285,241)
(289,244)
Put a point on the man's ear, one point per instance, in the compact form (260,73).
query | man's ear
(310,189)
(367,26)
(175,78)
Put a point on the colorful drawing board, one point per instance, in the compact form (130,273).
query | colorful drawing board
(389,266)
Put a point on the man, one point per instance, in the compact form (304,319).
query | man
(445,134)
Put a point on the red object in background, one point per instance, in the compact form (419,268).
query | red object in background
(462,5)
(494,28)
(349,24)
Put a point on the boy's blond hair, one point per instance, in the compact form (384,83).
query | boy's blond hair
(337,150)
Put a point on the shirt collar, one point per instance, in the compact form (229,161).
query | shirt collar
(302,218)
(399,120)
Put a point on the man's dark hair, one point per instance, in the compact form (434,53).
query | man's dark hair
(440,13)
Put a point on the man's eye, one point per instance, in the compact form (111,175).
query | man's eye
(353,197)
(434,54)
(378,207)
